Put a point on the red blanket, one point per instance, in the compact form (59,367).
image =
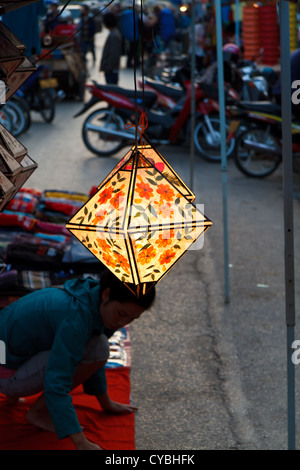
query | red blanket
(110,432)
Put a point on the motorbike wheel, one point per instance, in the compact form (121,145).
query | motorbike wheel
(22,103)
(97,142)
(16,115)
(257,162)
(208,146)
(47,105)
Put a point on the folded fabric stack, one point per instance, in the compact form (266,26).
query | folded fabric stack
(35,245)
(120,350)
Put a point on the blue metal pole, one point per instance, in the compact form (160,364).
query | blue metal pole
(223,143)
(287,157)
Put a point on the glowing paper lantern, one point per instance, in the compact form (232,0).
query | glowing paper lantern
(141,220)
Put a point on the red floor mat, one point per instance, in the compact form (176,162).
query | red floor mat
(110,432)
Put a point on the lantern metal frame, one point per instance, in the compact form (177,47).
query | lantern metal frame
(131,227)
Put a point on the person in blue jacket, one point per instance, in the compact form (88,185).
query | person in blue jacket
(56,339)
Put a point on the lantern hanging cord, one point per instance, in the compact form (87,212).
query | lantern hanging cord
(139,128)
(67,39)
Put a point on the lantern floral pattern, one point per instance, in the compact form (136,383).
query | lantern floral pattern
(141,220)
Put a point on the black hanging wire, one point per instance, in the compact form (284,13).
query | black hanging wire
(63,8)
(142,53)
(140,124)
(74,34)
(135,49)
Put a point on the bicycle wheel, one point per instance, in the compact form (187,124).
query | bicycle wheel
(47,105)
(99,142)
(208,141)
(257,153)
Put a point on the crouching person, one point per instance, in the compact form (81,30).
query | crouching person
(56,339)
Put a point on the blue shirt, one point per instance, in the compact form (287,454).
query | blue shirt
(63,321)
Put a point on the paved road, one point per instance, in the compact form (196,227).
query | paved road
(206,374)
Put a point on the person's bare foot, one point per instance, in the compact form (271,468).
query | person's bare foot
(39,416)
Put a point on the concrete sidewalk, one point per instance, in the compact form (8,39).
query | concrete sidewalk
(210,374)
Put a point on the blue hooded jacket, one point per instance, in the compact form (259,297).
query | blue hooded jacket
(63,321)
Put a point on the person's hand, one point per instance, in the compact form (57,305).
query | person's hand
(120,408)
(82,443)
(114,407)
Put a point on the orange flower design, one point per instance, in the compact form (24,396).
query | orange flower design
(167,257)
(99,217)
(145,256)
(165,239)
(117,199)
(166,192)
(144,190)
(122,262)
(108,260)
(103,245)
(105,195)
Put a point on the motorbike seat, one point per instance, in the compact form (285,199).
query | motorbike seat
(156,118)
(171,91)
(149,96)
(262,107)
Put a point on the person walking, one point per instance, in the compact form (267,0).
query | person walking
(87,35)
(112,50)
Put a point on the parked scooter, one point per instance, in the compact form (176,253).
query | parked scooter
(40,92)
(256,84)
(104,131)
(258,150)
(167,96)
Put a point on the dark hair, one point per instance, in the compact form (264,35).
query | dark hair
(121,293)
(110,20)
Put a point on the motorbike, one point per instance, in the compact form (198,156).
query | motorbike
(258,149)
(256,84)
(167,95)
(104,133)
(39,91)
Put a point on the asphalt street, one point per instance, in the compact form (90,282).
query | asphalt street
(206,374)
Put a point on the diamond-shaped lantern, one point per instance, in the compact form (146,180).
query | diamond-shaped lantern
(141,220)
